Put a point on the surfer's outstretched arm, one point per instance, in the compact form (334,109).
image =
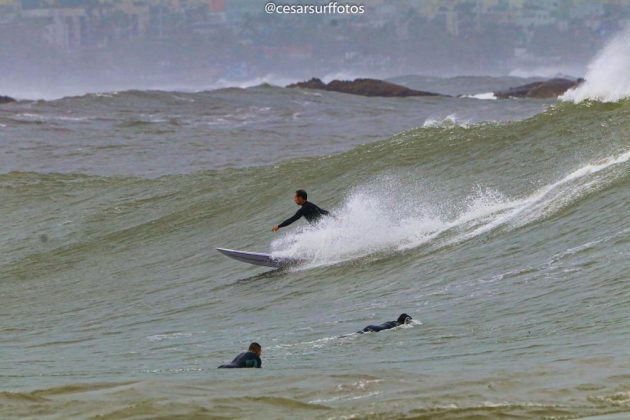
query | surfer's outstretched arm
(290,220)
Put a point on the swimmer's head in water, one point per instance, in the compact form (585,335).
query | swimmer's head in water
(404,319)
(300,197)
(255,347)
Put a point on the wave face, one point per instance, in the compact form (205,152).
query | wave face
(507,242)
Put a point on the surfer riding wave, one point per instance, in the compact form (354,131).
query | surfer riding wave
(311,212)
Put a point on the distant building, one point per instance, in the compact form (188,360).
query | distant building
(62,25)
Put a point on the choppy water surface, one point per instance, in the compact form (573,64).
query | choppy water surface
(501,226)
(153,133)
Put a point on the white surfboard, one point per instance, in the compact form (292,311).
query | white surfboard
(258,258)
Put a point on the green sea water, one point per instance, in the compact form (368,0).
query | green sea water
(508,242)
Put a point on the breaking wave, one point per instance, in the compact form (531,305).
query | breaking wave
(608,75)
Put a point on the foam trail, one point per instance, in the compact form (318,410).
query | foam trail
(379,220)
(608,75)
(548,198)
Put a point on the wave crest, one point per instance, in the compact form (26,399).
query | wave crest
(378,218)
(608,75)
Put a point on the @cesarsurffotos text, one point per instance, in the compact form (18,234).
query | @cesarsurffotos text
(331,8)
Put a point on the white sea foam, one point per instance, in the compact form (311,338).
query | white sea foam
(168,336)
(449,121)
(25,116)
(373,220)
(608,75)
(484,95)
(380,220)
(270,79)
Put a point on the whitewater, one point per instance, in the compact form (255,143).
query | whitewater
(608,75)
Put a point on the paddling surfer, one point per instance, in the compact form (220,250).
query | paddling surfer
(311,212)
(248,359)
(402,319)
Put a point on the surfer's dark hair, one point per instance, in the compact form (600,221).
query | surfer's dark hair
(301,194)
(254,346)
(403,317)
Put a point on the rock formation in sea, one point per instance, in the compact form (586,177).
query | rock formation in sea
(364,87)
(551,88)
(6,99)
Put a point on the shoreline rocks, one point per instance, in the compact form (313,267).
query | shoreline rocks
(363,87)
(551,88)
(6,99)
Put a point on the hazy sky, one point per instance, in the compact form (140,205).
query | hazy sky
(51,48)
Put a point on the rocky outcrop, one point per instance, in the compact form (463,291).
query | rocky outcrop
(6,99)
(551,88)
(314,83)
(364,87)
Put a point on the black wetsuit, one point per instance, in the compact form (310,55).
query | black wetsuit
(245,360)
(310,211)
(381,327)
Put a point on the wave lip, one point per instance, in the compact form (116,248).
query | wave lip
(608,75)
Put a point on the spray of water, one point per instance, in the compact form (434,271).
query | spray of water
(608,75)
(379,217)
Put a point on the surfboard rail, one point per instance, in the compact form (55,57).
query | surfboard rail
(258,258)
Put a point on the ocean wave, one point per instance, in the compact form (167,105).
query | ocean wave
(321,394)
(376,218)
(268,79)
(507,240)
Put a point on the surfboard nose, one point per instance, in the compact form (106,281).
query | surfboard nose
(255,258)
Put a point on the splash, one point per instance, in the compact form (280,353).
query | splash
(379,219)
(608,75)
(270,79)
